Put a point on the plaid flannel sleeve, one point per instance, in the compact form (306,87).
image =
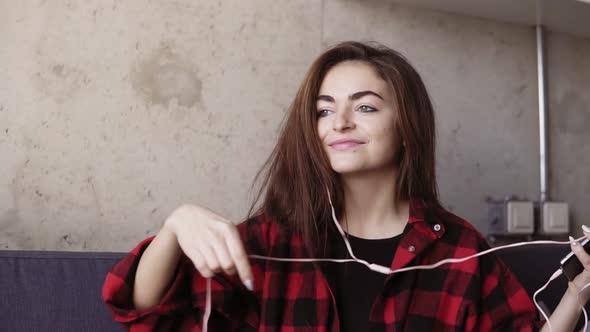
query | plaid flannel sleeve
(117,293)
(182,306)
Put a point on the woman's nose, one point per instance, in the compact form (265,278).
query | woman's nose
(343,120)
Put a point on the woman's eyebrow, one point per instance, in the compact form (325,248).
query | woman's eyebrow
(360,94)
(326,98)
(354,96)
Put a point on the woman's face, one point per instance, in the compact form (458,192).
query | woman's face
(356,119)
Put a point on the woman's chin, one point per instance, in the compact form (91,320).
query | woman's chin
(346,169)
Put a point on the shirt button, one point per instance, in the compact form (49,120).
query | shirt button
(437,228)
(411,248)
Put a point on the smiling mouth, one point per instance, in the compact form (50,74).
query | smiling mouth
(345,146)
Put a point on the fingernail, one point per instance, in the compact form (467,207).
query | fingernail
(586,229)
(249,285)
(573,241)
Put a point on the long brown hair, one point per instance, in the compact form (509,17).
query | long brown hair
(295,178)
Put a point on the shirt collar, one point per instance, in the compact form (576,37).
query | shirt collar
(424,217)
(425,229)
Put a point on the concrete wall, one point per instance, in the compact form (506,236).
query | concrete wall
(112,113)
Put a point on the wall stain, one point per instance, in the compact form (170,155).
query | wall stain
(60,82)
(166,76)
(67,239)
(95,196)
(478,169)
(521,89)
(456,129)
(11,231)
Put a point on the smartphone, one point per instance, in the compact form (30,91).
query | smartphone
(570,265)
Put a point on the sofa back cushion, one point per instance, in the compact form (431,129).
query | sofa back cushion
(55,291)
(61,291)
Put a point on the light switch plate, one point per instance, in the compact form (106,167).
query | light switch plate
(520,217)
(555,217)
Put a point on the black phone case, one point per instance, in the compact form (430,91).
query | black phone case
(570,264)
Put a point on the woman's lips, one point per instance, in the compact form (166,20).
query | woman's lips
(345,145)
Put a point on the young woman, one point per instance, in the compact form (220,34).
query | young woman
(359,137)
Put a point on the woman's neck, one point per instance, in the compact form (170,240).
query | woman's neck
(372,208)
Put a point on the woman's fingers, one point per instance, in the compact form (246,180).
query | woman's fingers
(210,257)
(222,253)
(212,242)
(200,264)
(240,258)
(579,251)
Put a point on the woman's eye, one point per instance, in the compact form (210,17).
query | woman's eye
(366,109)
(322,113)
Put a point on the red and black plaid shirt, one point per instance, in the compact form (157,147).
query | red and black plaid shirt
(480,294)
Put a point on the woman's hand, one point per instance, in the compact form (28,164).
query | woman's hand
(210,241)
(582,279)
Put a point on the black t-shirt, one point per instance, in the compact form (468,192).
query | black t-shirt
(355,286)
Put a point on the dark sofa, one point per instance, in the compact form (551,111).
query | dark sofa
(54,291)
(61,291)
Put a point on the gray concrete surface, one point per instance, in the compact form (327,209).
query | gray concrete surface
(113,113)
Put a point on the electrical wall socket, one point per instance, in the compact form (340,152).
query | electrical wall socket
(520,217)
(554,218)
